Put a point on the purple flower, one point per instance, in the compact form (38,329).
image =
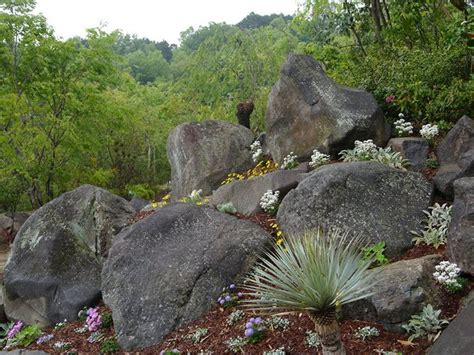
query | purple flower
(249,325)
(15,329)
(222,302)
(258,320)
(252,320)
(239,294)
(44,338)
(228,298)
(249,332)
(232,286)
(94,320)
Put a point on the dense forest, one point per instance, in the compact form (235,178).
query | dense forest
(98,110)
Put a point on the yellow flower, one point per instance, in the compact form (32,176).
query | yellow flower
(279,242)
(154,205)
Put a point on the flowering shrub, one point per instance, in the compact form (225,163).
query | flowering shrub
(289,162)
(234,317)
(254,330)
(436,226)
(269,202)
(429,131)
(367,332)
(368,151)
(94,320)
(447,274)
(164,201)
(256,151)
(402,127)
(12,332)
(229,296)
(318,159)
(426,324)
(262,168)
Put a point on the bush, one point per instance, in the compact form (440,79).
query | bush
(109,346)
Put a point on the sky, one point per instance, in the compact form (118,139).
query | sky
(154,19)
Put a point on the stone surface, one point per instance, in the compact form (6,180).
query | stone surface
(201,154)
(55,263)
(169,269)
(456,156)
(6,229)
(461,230)
(400,290)
(138,203)
(412,148)
(245,195)
(366,198)
(458,337)
(307,110)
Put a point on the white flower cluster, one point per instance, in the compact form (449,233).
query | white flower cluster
(403,127)
(269,201)
(429,131)
(365,147)
(195,194)
(289,162)
(318,159)
(257,151)
(447,274)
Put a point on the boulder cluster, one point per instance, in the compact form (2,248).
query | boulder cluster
(169,268)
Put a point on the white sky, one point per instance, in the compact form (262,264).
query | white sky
(155,19)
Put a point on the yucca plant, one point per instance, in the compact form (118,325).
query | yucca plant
(314,273)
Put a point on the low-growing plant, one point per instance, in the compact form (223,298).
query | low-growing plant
(425,324)
(227,208)
(169,352)
(60,325)
(234,317)
(107,320)
(429,131)
(80,330)
(312,339)
(270,202)
(257,151)
(390,158)
(318,159)
(431,163)
(279,351)
(277,233)
(27,335)
(236,344)
(290,161)
(44,339)
(368,151)
(82,315)
(254,330)
(197,336)
(109,346)
(435,226)
(94,319)
(277,323)
(402,127)
(229,296)
(375,253)
(195,197)
(448,275)
(367,332)
(4,328)
(62,345)
(263,167)
(95,337)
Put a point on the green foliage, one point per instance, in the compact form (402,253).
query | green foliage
(425,324)
(436,226)
(227,208)
(140,190)
(4,328)
(109,346)
(314,272)
(376,254)
(28,335)
(106,320)
(198,335)
(432,163)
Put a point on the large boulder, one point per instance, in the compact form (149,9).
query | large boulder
(366,198)
(455,155)
(414,149)
(400,290)
(245,195)
(308,110)
(56,260)
(461,229)
(169,269)
(202,154)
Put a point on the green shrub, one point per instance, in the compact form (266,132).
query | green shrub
(109,346)
(140,190)
(28,335)
(107,320)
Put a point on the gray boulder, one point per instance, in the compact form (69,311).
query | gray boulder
(201,154)
(169,269)
(456,156)
(56,259)
(138,203)
(308,110)
(367,198)
(458,337)
(245,195)
(461,230)
(400,290)
(10,224)
(412,148)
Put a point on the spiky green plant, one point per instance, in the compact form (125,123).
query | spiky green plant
(314,273)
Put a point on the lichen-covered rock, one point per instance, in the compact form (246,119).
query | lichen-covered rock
(456,156)
(366,198)
(245,195)
(414,149)
(400,290)
(461,230)
(169,269)
(307,110)
(56,259)
(202,154)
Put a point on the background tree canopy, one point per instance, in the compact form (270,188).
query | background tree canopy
(99,109)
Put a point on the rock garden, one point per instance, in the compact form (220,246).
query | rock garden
(335,232)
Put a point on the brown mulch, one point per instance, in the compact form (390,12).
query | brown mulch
(419,251)
(264,220)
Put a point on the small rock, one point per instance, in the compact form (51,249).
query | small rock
(412,148)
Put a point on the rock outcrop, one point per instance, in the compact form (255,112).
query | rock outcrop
(367,198)
(201,154)
(414,149)
(307,110)
(169,269)
(456,156)
(56,259)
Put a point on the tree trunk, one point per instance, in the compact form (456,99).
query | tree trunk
(329,332)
